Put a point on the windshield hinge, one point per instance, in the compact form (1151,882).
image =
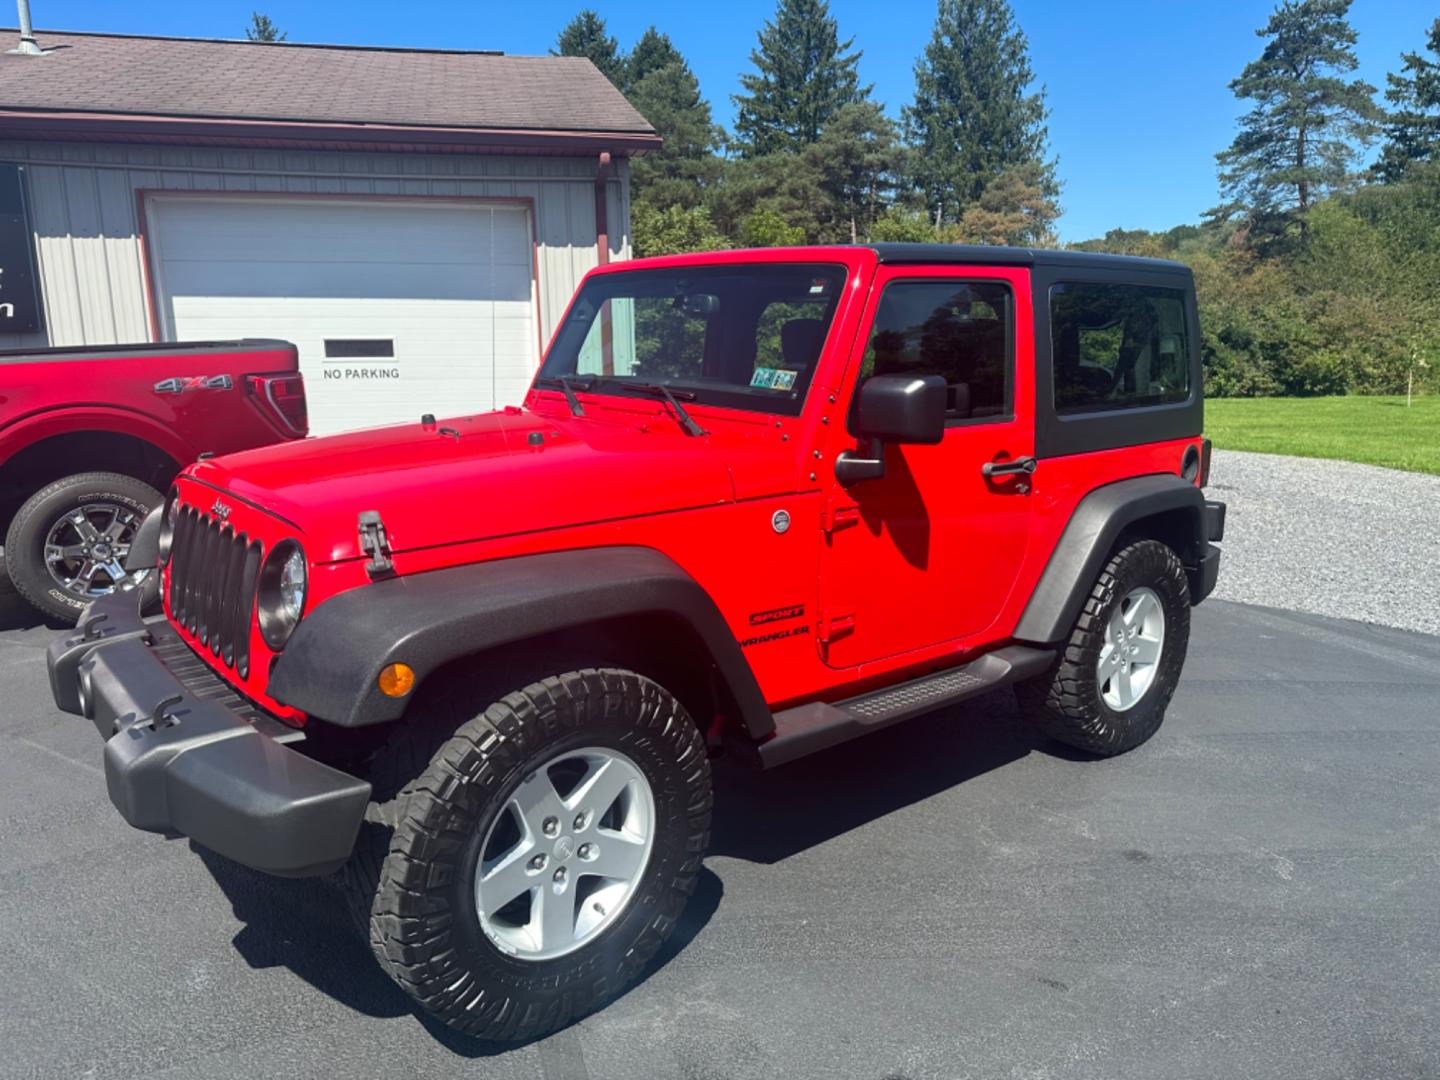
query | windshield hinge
(375,543)
(834,518)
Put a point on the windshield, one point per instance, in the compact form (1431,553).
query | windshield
(741,336)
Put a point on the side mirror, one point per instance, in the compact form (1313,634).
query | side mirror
(902,408)
(898,409)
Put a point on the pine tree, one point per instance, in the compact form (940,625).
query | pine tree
(1413,129)
(668,185)
(585,36)
(652,52)
(859,160)
(262,29)
(804,74)
(975,115)
(1308,123)
(665,91)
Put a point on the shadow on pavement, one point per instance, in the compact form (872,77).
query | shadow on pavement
(761,817)
(302,924)
(766,817)
(16,614)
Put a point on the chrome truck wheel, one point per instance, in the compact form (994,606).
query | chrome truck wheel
(67,545)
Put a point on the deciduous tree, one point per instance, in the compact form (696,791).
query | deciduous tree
(1014,210)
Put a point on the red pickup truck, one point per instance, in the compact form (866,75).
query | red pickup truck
(89,438)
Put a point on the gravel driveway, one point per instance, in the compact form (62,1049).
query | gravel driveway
(1330,538)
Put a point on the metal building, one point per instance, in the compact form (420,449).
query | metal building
(415,221)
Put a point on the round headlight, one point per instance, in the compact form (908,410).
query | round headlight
(167,526)
(280,599)
(292,585)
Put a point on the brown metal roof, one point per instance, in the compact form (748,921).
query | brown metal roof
(105,84)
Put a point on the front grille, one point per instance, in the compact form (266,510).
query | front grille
(213,573)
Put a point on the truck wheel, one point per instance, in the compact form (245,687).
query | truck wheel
(1110,688)
(67,544)
(543,856)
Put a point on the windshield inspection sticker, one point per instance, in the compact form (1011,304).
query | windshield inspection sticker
(773,379)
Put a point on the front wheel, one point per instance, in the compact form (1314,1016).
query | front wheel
(544,855)
(1110,688)
(67,545)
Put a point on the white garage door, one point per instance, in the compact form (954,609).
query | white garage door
(398,308)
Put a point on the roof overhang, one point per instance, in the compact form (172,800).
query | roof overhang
(299,134)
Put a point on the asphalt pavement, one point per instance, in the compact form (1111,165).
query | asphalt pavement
(1251,894)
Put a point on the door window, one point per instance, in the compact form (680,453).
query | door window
(961,330)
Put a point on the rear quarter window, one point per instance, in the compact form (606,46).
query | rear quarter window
(1118,346)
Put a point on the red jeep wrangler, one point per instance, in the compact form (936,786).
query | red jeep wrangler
(90,437)
(762,502)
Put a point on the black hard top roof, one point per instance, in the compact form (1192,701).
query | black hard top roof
(986,254)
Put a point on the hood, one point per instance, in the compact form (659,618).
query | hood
(500,473)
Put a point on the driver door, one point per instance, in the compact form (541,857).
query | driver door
(928,553)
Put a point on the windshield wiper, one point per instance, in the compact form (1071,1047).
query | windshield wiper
(687,422)
(569,385)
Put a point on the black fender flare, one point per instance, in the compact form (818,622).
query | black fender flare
(330,665)
(1089,537)
(144,553)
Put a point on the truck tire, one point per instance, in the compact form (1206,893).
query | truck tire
(542,856)
(66,544)
(1109,689)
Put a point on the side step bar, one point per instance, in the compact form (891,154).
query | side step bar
(817,726)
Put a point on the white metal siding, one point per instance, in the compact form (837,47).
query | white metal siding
(83,206)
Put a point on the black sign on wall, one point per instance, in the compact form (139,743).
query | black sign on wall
(19,294)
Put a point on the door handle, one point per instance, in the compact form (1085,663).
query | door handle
(1023,466)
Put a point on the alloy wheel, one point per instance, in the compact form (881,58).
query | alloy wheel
(85,549)
(1130,655)
(566,853)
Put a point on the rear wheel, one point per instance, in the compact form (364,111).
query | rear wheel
(1110,688)
(542,856)
(67,544)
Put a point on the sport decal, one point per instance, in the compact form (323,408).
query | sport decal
(760,618)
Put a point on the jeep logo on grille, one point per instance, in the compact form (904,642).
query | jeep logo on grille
(220,510)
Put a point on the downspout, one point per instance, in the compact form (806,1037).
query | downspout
(602,256)
(602,208)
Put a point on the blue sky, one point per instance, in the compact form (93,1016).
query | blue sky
(1137,89)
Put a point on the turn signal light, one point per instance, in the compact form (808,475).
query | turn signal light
(396,680)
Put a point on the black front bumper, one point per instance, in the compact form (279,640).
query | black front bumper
(186,754)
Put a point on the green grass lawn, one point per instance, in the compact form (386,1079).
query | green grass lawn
(1370,430)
